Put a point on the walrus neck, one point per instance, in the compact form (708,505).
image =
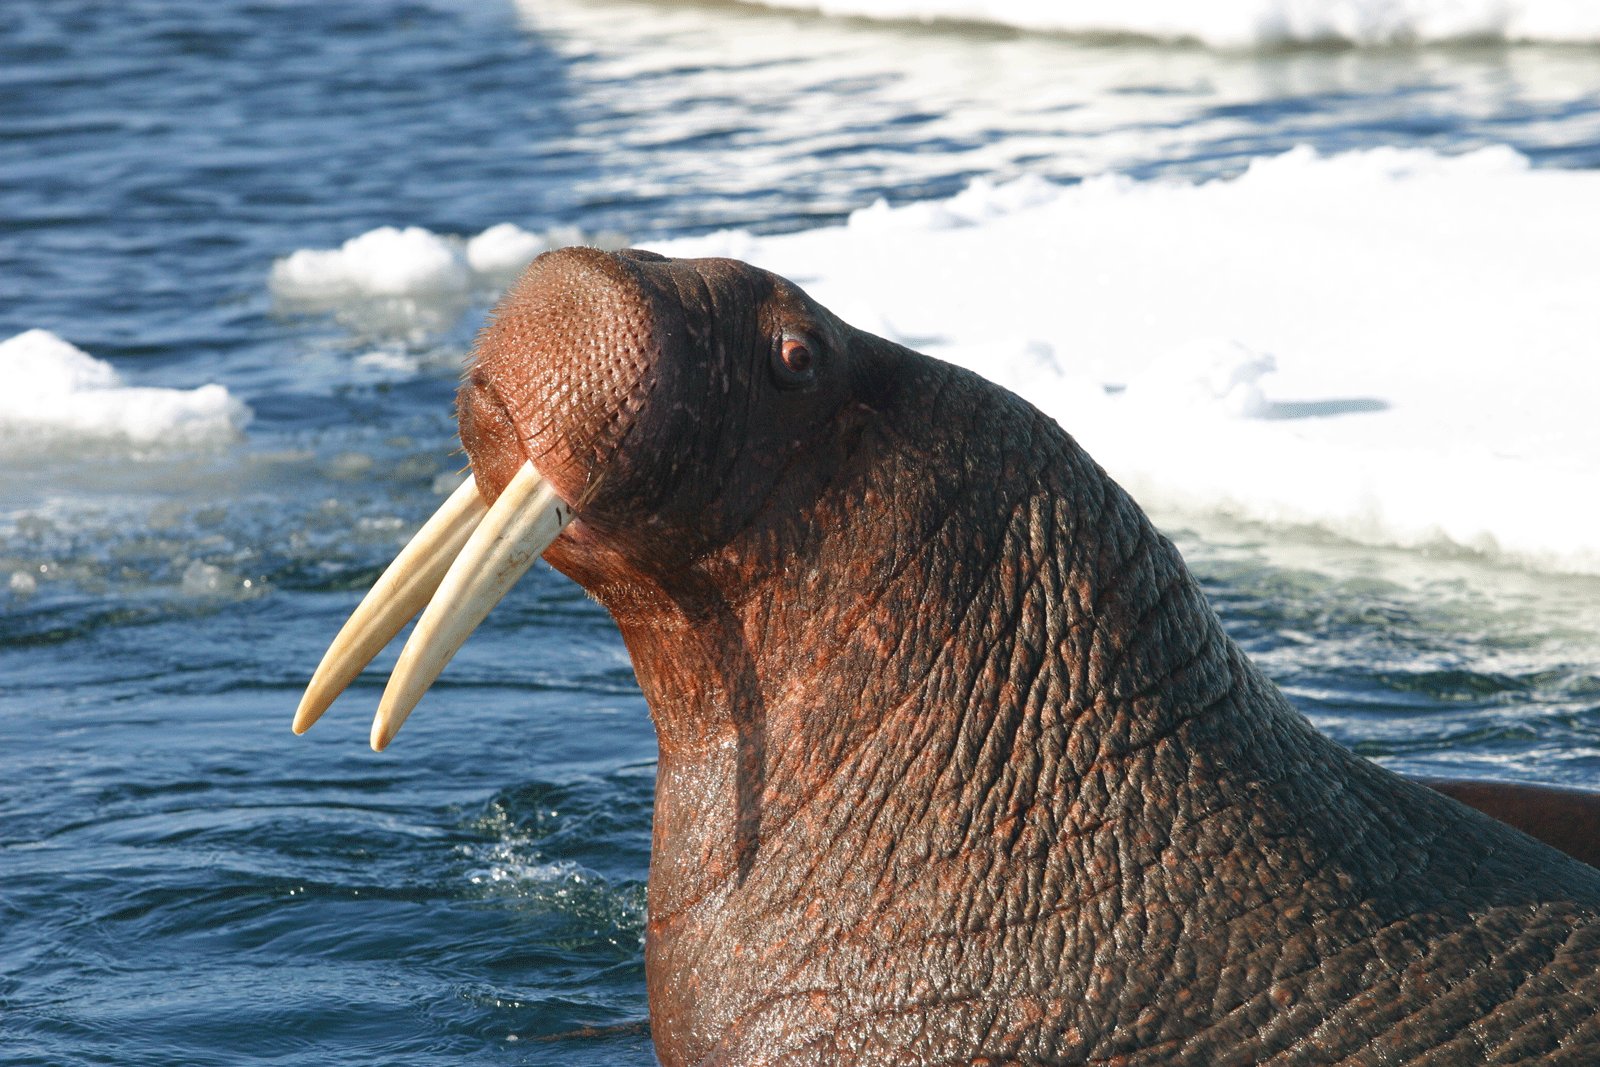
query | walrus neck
(1068,660)
(993,683)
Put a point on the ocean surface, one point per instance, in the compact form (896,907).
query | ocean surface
(182,881)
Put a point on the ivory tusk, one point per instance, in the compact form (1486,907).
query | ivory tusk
(523,521)
(403,589)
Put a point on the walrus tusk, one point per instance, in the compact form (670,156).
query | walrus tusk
(400,592)
(523,521)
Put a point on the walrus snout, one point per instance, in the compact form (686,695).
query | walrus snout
(558,377)
(561,370)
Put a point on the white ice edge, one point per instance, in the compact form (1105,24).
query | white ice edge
(1244,24)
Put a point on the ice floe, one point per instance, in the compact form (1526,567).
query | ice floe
(56,395)
(416,263)
(1393,345)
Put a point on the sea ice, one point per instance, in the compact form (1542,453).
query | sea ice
(381,262)
(504,249)
(1206,372)
(416,265)
(56,392)
(1393,345)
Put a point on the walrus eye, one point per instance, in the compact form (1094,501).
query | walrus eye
(793,364)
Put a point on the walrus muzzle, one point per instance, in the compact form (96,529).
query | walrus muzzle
(454,571)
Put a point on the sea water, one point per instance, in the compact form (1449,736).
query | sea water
(246,246)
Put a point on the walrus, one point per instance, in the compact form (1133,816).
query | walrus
(956,763)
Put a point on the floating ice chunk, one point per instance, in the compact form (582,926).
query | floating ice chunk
(55,390)
(1206,374)
(503,249)
(447,482)
(382,262)
(983,200)
(1030,367)
(413,283)
(39,365)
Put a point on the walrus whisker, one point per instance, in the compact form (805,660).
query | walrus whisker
(404,589)
(524,520)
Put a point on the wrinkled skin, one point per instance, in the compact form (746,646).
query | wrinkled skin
(1563,818)
(957,765)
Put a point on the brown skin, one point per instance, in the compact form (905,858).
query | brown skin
(1562,818)
(957,765)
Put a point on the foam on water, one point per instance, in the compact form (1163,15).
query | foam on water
(56,393)
(1393,345)
(1253,23)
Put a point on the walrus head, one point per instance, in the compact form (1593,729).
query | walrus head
(955,761)
(683,403)
(669,407)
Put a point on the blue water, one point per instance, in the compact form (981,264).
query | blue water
(182,881)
